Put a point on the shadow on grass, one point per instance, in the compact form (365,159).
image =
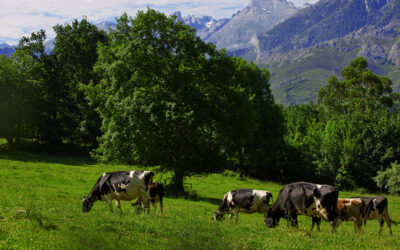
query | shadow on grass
(35,152)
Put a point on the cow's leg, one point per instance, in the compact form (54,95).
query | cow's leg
(315,220)
(161,206)
(293,221)
(236,213)
(118,204)
(387,219)
(381,222)
(109,202)
(146,203)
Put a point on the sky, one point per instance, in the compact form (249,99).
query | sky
(22,17)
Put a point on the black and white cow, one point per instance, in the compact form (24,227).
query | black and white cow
(302,198)
(243,200)
(377,208)
(120,185)
(156,195)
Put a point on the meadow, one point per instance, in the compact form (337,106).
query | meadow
(41,208)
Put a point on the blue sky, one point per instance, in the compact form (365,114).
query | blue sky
(21,17)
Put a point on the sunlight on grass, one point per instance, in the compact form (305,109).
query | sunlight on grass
(40,208)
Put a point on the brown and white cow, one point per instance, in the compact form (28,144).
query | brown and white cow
(351,209)
(377,208)
(243,200)
(120,185)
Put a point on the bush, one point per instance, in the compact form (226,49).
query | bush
(389,179)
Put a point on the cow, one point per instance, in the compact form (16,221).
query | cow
(377,208)
(243,200)
(156,195)
(303,198)
(351,209)
(120,185)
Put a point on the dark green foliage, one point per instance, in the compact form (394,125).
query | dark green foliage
(167,98)
(17,99)
(70,68)
(54,108)
(352,132)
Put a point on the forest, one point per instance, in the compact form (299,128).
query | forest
(150,92)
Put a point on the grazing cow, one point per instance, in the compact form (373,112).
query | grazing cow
(120,185)
(156,195)
(243,200)
(351,209)
(377,208)
(302,198)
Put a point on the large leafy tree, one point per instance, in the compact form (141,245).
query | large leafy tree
(19,81)
(70,68)
(356,141)
(169,99)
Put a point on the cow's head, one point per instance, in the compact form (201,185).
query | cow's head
(325,199)
(271,220)
(87,204)
(218,216)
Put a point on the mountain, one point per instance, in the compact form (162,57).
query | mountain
(303,51)
(205,26)
(6,49)
(239,35)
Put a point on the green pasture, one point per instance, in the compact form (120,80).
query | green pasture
(41,202)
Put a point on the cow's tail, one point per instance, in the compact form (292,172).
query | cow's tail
(394,222)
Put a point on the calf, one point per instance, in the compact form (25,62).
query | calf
(156,195)
(352,209)
(377,208)
(303,198)
(120,185)
(243,200)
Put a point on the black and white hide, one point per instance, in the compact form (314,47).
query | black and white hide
(303,198)
(120,185)
(243,200)
(156,196)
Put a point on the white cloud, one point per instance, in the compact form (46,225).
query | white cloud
(22,17)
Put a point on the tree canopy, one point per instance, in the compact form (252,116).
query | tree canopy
(167,98)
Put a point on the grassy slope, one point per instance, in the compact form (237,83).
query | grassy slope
(300,81)
(40,207)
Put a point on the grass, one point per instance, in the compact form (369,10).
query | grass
(41,202)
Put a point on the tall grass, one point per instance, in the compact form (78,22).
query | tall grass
(41,202)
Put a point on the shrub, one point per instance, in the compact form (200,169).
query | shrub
(389,179)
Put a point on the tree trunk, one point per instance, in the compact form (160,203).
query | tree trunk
(10,141)
(177,181)
(241,162)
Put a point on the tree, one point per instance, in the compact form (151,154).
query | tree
(360,90)
(169,99)
(71,65)
(19,81)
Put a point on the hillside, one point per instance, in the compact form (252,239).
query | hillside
(41,201)
(303,51)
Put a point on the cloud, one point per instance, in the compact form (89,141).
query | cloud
(22,17)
